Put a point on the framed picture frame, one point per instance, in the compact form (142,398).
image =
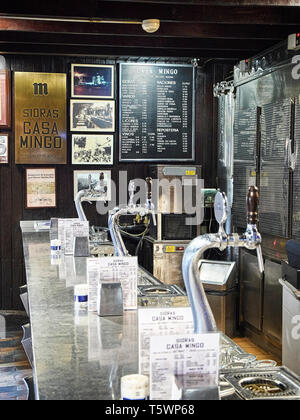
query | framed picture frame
(3,148)
(92,149)
(40,188)
(5,99)
(92,81)
(92,181)
(92,115)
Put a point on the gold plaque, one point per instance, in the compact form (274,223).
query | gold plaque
(40,118)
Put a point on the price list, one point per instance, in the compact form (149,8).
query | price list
(156,112)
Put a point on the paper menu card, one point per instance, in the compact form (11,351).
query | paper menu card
(62,224)
(160,322)
(122,270)
(173,357)
(72,230)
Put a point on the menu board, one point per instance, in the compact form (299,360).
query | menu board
(156,112)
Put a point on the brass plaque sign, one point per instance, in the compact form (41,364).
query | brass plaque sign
(40,118)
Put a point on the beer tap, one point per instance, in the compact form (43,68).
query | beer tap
(131,208)
(203,317)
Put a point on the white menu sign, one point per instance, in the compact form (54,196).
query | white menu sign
(122,270)
(74,229)
(61,226)
(173,357)
(160,322)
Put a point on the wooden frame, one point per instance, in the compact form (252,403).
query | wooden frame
(5,99)
(88,115)
(96,83)
(82,176)
(4,148)
(92,149)
(36,198)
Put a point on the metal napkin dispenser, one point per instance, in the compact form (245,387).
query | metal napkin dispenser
(110,299)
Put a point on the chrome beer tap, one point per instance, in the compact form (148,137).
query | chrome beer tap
(131,208)
(203,317)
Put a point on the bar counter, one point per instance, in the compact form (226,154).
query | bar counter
(77,356)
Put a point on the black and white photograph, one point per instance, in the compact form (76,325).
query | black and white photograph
(96,183)
(91,116)
(92,149)
(3,148)
(92,81)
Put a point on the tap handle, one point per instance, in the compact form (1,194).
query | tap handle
(149,188)
(252,203)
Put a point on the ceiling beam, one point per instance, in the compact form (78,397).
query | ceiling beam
(95,51)
(180,30)
(165,12)
(128,41)
(275,3)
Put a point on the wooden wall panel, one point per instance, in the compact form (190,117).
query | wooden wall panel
(12,177)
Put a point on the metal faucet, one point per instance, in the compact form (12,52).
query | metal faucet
(91,191)
(204,320)
(131,208)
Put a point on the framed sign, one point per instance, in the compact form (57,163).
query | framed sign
(92,115)
(93,181)
(92,81)
(5,99)
(92,149)
(40,188)
(40,118)
(3,148)
(157,112)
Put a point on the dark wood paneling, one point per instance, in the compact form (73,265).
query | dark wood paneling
(196,44)
(102,51)
(12,177)
(226,3)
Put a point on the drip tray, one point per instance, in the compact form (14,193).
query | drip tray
(160,290)
(161,295)
(271,383)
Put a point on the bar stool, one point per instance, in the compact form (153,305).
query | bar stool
(27,343)
(29,384)
(24,298)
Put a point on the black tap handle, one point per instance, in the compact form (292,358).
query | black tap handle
(252,203)
(149,188)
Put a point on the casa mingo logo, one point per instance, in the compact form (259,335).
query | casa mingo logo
(40,89)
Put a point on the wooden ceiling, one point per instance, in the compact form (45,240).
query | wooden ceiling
(220,29)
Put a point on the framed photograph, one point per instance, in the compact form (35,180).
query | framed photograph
(97,184)
(92,149)
(90,116)
(5,99)
(40,188)
(3,148)
(92,81)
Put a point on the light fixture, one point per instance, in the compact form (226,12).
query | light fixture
(151,25)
